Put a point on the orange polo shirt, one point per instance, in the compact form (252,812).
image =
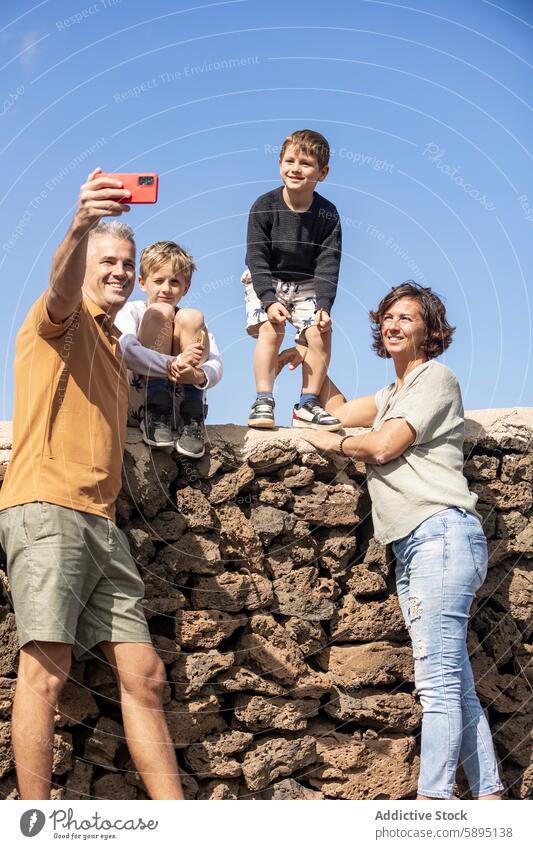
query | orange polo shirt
(69,421)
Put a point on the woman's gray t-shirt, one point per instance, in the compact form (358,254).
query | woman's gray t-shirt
(428,476)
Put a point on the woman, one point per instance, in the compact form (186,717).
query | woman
(422,505)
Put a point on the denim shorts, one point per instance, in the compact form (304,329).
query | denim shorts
(73,579)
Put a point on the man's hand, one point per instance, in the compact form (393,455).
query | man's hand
(277,313)
(99,197)
(321,439)
(192,354)
(323,320)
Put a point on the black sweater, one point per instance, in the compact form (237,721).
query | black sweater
(294,246)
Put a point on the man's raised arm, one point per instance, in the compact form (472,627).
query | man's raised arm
(99,197)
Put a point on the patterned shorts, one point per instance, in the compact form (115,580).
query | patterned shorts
(298,298)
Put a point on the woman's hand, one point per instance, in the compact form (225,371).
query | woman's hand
(293,357)
(322,439)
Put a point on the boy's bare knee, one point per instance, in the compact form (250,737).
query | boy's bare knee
(164,310)
(314,338)
(189,318)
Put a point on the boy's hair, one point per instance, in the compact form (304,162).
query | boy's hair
(154,256)
(309,142)
(438,331)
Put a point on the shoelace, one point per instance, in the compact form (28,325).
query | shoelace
(193,428)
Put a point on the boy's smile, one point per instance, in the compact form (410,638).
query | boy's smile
(300,171)
(164,285)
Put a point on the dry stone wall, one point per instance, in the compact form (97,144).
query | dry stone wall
(290,674)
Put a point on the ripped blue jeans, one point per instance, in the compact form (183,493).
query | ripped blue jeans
(439,568)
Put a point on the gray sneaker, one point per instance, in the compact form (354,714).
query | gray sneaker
(156,427)
(191,441)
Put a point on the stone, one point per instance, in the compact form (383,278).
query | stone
(269,523)
(8,787)
(302,593)
(309,636)
(62,754)
(389,711)
(229,485)
(76,705)
(497,633)
(267,646)
(290,789)
(274,757)
(232,592)
(372,664)
(167,526)
(505,496)
(168,650)
(516,468)
(328,505)
(352,768)
(365,580)
(9,645)
(511,587)
(238,540)
(113,786)
(239,679)
(509,524)
(191,671)
(288,552)
(504,692)
(7,761)
(336,551)
(101,680)
(481,467)
(311,685)
(195,509)
(219,790)
(196,553)
(357,621)
(103,744)
(263,714)
(296,477)
(514,735)
(269,457)
(213,756)
(7,693)
(78,785)
(146,477)
(272,493)
(206,628)
(141,546)
(191,720)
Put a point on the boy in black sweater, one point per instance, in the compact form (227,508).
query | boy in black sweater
(293,256)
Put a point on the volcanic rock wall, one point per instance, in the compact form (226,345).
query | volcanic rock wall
(289,668)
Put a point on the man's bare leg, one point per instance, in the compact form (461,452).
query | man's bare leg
(141,677)
(43,670)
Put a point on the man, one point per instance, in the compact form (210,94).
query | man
(73,580)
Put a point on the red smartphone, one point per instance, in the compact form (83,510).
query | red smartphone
(143,187)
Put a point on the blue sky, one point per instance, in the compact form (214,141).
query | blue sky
(427,107)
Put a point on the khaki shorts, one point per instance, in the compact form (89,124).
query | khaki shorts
(298,298)
(73,579)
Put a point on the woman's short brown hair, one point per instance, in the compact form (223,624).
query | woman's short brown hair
(438,332)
